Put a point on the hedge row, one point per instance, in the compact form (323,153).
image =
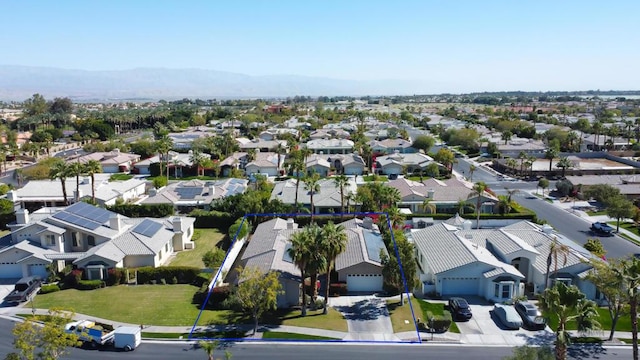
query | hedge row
(90,284)
(145,210)
(337,289)
(182,274)
(116,276)
(49,288)
(212,220)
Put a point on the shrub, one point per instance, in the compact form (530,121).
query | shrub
(174,280)
(49,288)
(438,323)
(218,298)
(163,281)
(212,219)
(337,289)
(213,258)
(233,229)
(72,279)
(90,284)
(183,274)
(116,277)
(159,182)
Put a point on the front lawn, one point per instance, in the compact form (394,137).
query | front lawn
(170,305)
(624,322)
(402,320)
(205,239)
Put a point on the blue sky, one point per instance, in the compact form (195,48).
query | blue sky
(450,46)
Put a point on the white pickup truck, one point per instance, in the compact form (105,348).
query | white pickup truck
(90,332)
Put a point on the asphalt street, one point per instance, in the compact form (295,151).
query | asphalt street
(295,351)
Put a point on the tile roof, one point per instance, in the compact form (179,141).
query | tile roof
(328,196)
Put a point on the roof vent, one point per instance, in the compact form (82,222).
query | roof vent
(466,225)
(547,229)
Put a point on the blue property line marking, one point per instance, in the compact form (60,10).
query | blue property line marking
(219,272)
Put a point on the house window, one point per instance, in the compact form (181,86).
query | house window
(166,247)
(75,239)
(50,240)
(91,240)
(566,281)
(503,290)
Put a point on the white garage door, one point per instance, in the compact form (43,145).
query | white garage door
(364,283)
(10,271)
(39,270)
(460,286)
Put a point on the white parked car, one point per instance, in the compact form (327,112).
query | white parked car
(508,316)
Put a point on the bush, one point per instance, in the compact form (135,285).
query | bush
(116,277)
(218,298)
(72,279)
(233,229)
(438,323)
(49,288)
(183,274)
(337,289)
(90,284)
(212,219)
(159,182)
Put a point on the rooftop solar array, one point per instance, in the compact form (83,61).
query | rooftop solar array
(188,192)
(374,243)
(147,228)
(84,215)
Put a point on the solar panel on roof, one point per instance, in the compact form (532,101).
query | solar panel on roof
(373,243)
(76,220)
(90,212)
(188,192)
(147,228)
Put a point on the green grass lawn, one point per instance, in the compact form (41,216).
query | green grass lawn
(624,322)
(399,314)
(120,177)
(170,305)
(596,213)
(205,239)
(375,178)
(293,336)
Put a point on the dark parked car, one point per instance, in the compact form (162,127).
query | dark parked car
(24,290)
(602,228)
(460,309)
(531,317)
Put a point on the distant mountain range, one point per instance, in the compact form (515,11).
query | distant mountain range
(20,82)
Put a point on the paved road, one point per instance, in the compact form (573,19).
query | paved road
(575,227)
(333,351)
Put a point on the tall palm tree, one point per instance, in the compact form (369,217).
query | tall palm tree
(334,243)
(511,164)
(568,303)
(76,169)
(163,146)
(341,182)
(312,185)
(59,171)
(93,167)
(317,260)
(300,254)
(280,150)
(630,274)
(478,190)
(388,197)
(556,250)
(472,169)
(564,163)
(551,154)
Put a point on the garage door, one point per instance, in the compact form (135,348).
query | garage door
(460,286)
(364,283)
(39,270)
(10,271)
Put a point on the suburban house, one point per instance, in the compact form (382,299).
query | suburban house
(273,133)
(444,194)
(396,164)
(260,144)
(111,162)
(515,146)
(42,193)
(391,146)
(359,266)
(265,163)
(184,140)
(495,264)
(324,164)
(90,238)
(326,200)
(330,146)
(179,163)
(195,194)
(329,134)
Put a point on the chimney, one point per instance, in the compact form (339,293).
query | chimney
(430,193)
(177,224)
(114,221)
(291,224)
(212,190)
(11,195)
(466,225)
(153,192)
(367,223)
(77,195)
(22,216)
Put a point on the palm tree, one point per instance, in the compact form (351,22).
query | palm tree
(312,185)
(630,274)
(209,347)
(511,164)
(504,204)
(334,243)
(76,169)
(59,170)
(568,303)
(163,146)
(198,159)
(564,163)
(510,193)
(522,157)
(555,250)
(460,205)
(478,190)
(317,260)
(93,167)
(300,254)
(428,205)
(388,197)
(341,181)
(472,169)
(280,150)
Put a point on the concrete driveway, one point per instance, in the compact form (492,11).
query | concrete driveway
(6,286)
(485,328)
(367,317)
